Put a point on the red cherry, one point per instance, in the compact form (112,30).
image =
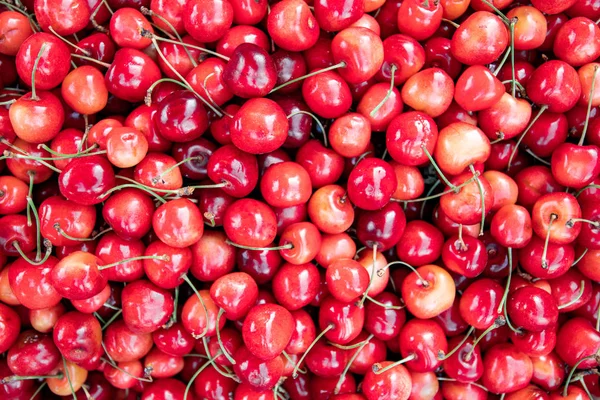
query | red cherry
(478,89)
(371,184)
(428,291)
(395,383)
(131,74)
(506,369)
(31,284)
(578,41)
(532,308)
(250,72)
(207,20)
(178,223)
(53,64)
(430,90)
(251,223)
(474,45)
(295,286)
(146,307)
(559,95)
(292,25)
(235,294)
(267,330)
(259,126)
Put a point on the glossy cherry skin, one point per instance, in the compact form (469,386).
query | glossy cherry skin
(395,383)
(419,20)
(235,167)
(559,258)
(576,339)
(446,155)
(295,286)
(511,226)
(124,345)
(478,89)
(508,118)
(407,133)
(330,210)
(479,303)
(566,289)
(78,336)
(382,228)
(428,299)
(256,372)
(547,371)
(15,29)
(534,343)
(547,133)
(11,325)
(371,184)
(77,276)
(506,369)
(129,213)
(473,45)
(131,74)
(235,293)
(362,52)
(564,206)
(346,279)
(425,339)
(267,330)
(207,21)
(250,72)
(468,258)
(465,207)
(305,241)
(559,95)
(54,63)
(575,166)
(212,257)
(532,308)
(31,285)
(429,90)
(250,222)
(346,319)
(178,223)
(292,25)
(33,354)
(86,179)
(260,126)
(577,41)
(327,94)
(146,307)
(420,244)
(286,184)
(181,117)
(335,16)
(37,120)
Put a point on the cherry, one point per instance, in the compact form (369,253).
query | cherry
(428,291)
(85,180)
(212,257)
(37,117)
(480,302)
(559,95)
(407,134)
(11,326)
(410,182)
(250,72)
(506,369)
(478,89)
(146,307)
(64,386)
(506,119)
(382,228)
(299,243)
(547,371)
(473,45)
(530,29)
(260,374)
(337,15)
(199,315)
(329,209)
(78,337)
(129,212)
(371,184)
(550,215)
(575,340)
(235,294)
(468,205)
(250,223)
(532,308)
(131,74)
(558,258)
(292,25)
(178,223)
(465,255)
(241,34)
(429,90)
(267,330)
(420,343)
(285,184)
(449,159)
(236,168)
(31,284)
(207,21)
(360,50)
(577,41)
(181,117)
(419,19)
(394,383)
(288,289)
(15,30)
(53,64)
(327,94)
(33,354)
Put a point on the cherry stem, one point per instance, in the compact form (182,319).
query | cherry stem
(413,269)
(275,248)
(34,70)
(580,257)
(592,186)
(211,219)
(84,51)
(99,28)
(508,279)
(38,236)
(14,378)
(38,390)
(442,356)
(372,277)
(502,62)
(7,102)
(30,261)
(589,107)
(315,72)
(500,138)
(463,245)
(164,258)
(287,357)
(90,59)
(34,26)
(598,319)
(136,186)
(67,236)
(112,363)
(340,381)
(215,365)
(150,13)
(424,200)
(69,378)
(513,22)
(189,282)
(438,170)
(112,319)
(10,154)
(388,94)
(31,175)
(175,304)
(500,321)
(500,13)
(576,299)
(553,218)
(570,223)
(570,376)
(223,349)
(377,370)
(157,178)
(66,157)
(514,152)
(148,97)
(482,195)
(585,388)
(191,46)
(538,158)
(193,378)
(454,24)
(380,304)
(319,336)
(314,117)
(69,155)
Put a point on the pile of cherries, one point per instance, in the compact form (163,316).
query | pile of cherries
(290,199)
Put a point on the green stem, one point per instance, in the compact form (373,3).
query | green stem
(513,22)
(206,316)
(482,195)
(319,336)
(388,94)
(589,107)
(379,371)
(69,378)
(372,278)
(570,376)
(538,115)
(442,356)
(316,72)
(576,299)
(340,381)
(580,257)
(67,236)
(112,319)
(314,117)
(223,349)
(164,258)
(502,62)
(437,169)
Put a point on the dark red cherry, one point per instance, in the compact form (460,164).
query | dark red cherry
(146,307)
(33,354)
(532,308)
(181,117)
(250,72)
(545,88)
